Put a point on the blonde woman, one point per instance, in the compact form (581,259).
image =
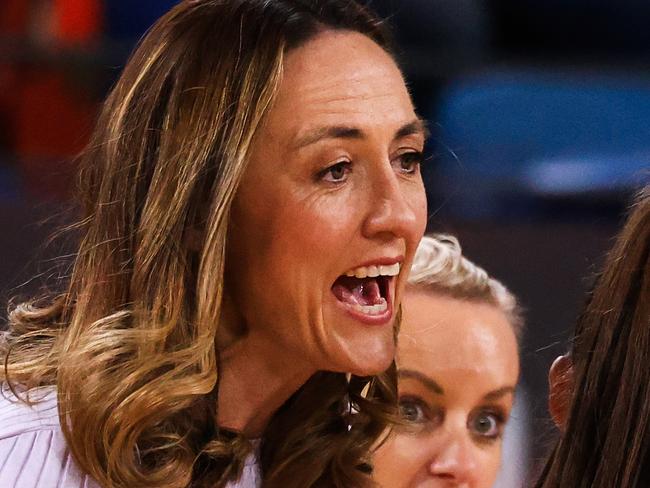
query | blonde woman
(458,366)
(251,200)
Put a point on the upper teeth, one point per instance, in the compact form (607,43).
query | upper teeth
(373,271)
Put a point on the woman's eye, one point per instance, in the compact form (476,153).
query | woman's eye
(413,410)
(336,173)
(409,162)
(487,425)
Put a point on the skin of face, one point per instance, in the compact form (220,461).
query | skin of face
(333,182)
(458,366)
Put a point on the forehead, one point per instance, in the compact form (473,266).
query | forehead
(340,76)
(441,333)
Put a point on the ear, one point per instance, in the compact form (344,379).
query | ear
(560,380)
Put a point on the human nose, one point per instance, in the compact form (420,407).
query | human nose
(394,209)
(456,462)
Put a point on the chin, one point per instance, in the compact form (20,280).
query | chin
(370,358)
(354,346)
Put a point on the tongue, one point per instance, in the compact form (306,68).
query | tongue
(358,291)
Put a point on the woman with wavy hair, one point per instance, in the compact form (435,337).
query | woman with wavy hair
(600,390)
(251,198)
(458,367)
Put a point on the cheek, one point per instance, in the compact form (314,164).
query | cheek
(253,262)
(248,240)
(490,462)
(417,202)
(288,243)
(419,208)
(400,459)
(315,231)
(322,227)
(416,199)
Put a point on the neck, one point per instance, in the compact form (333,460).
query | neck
(256,377)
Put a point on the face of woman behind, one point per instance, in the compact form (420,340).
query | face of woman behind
(458,366)
(333,188)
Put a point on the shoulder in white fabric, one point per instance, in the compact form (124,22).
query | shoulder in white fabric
(33,451)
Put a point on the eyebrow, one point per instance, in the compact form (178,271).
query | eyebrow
(417,126)
(496,394)
(438,390)
(422,378)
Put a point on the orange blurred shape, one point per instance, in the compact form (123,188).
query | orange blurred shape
(78,21)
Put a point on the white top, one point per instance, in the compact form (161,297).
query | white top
(34,453)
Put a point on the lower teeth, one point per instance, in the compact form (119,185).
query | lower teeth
(372,309)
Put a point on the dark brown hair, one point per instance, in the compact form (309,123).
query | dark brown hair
(606,443)
(130,343)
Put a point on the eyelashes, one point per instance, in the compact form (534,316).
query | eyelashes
(410,161)
(406,163)
(414,410)
(485,424)
(336,173)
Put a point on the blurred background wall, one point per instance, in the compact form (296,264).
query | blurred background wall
(540,113)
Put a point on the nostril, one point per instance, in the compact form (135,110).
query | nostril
(446,476)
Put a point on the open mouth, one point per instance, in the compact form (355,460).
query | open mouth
(367,290)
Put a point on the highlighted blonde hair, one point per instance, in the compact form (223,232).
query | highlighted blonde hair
(130,340)
(440,266)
